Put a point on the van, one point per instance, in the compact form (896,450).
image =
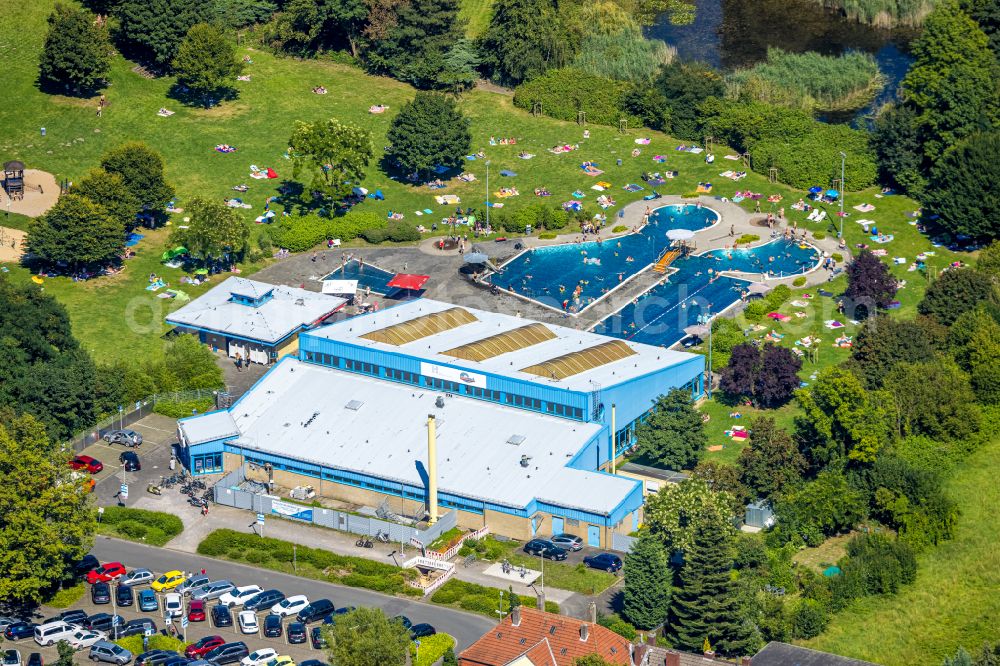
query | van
(53,632)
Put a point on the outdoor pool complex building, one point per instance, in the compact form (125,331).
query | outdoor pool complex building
(523,414)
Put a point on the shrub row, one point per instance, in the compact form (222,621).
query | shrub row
(563,93)
(756,310)
(302,233)
(155,527)
(156,642)
(182,408)
(474,598)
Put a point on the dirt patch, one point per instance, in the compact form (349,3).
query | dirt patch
(825,554)
(40,194)
(11,244)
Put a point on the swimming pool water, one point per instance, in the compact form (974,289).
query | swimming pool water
(582,273)
(779,258)
(366,275)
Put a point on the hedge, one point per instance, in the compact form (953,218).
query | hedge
(758,309)
(474,598)
(431,649)
(153,527)
(563,93)
(395,232)
(179,409)
(799,281)
(156,642)
(747,238)
(315,563)
(302,233)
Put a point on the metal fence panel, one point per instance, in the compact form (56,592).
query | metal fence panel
(622,542)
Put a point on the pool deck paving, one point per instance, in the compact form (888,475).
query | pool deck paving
(448,283)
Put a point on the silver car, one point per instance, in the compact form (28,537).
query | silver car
(567,541)
(110,653)
(192,583)
(127,437)
(138,577)
(213,590)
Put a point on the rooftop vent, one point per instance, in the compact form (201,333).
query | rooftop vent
(300,301)
(524,461)
(354,405)
(439,403)
(516,439)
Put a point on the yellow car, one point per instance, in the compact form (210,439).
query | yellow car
(283,660)
(168,581)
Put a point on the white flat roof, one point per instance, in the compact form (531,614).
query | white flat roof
(287,309)
(300,411)
(647,358)
(209,427)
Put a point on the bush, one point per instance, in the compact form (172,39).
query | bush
(799,281)
(431,649)
(747,238)
(562,93)
(67,596)
(809,619)
(618,625)
(819,235)
(836,256)
(301,233)
(181,408)
(874,565)
(619,229)
(475,598)
(756,310)
(156,642)
(154,527)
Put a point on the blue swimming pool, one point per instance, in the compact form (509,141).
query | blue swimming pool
(581,273)
(779,258)
(366,275)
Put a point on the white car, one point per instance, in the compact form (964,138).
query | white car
(173,604)
(258,657)
(239,595)
(290,605)
(137,577)
(248,622)
(84,638)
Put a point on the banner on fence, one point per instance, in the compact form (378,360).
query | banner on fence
(289,510)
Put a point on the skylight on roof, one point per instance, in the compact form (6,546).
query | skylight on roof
(354,405)
(502,343)
(576,362)
(421,327)
(516,439)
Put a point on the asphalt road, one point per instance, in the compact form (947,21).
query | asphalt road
(465,627)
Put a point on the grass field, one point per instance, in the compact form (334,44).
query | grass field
(476,14)
(956,598)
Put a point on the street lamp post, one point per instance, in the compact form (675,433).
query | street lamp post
(487,195)
(843,158)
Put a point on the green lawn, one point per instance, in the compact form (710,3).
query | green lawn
(476,13)
(955,600)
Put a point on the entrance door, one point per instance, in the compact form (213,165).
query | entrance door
(534,526)
(557,525)
(594,536)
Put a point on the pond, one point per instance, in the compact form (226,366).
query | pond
(732,34)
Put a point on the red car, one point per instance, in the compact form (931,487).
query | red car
(196,611)
(86,463)
(105,573)
(203,646)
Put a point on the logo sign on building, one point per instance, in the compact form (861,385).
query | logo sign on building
(289,510)
(453,374)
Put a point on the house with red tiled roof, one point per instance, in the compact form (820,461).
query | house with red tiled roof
(529,637)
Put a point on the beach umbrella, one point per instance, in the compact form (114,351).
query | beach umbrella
(476,258)
(697,330)
(832,193)
(759,288)
(816,189)
(680,234)
(201,271)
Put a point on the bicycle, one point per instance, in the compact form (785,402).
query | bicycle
(364,543)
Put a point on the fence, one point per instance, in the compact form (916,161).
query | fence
(430,563)
(453,550)
(227,492)
(622,542)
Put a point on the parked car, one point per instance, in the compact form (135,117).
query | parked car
(536,546)
(135,627)
(100,593)
(6,621)
(130,461)
(193,583)
(221,616)
(297,633)
(53,632)
(605,561)
(203,646)
(84,638)
(272,626)
(110,653)
(313,662)
(248,622)
(148,602)
(102,622)
(124,595)
(290,606)
(86,464)
(421,630)
(283,660)
(106,572)
(265,599)
(229,653)
(212,590)
(151,656)
(168,581)
(316,610)
(316,638)
(138,577)
(174,660)
(568,541)
(405,621)
(129,438)
(11,658)
(35,659)
(259,657)
(19,630)
(77,616)
(86,564)
(173,604)
(237,596)
(545,549)
(196,611)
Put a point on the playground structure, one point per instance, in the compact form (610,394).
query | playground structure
(13,179)
(27,192)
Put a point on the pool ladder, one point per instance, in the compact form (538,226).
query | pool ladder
(665,260)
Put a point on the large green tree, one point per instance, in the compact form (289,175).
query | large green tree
(825,506)
(308,26)
(152,30)
(686,85)
(772,462)
(77,52)
(956,291)
(77,232)
(646,595)
(214,231)
(207,64)
(673,512)
(429,131)
(366,637)
(48,522)
(706,604)
(142,171)
(414,47)
(524,39)
(884,341)
(963,190)
(933,398)
(109,191)
(335,154)
(673,436)
(954,81)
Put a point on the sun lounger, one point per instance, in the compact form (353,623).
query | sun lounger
(812,216)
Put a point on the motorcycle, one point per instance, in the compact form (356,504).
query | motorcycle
(197,502)
(364,543)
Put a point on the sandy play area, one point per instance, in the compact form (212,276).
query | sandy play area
(11,244)
(40,193)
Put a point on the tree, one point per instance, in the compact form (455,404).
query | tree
(673,512)
(206,63)
(449,658)
(723,478)
(153,29)
(869,282)
(414,47)
(896,139)
(883,342)
(841,420)
(460,66)
(523,40)
(48,522)
(214,231)
(192,364)
(336,154)
(308,26)
(962,189)
(66,653)
(78,232)
(429,131)
(77,53)
(987,14)
(767,376)
(956,291)
(828,505)
(933,398)
(686,86)
(705,607)
(108,190)
(646,596)
(771,463)
(953,82)
(809,619)
(592,660)
(674,435)
(366,637)
(142,171)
